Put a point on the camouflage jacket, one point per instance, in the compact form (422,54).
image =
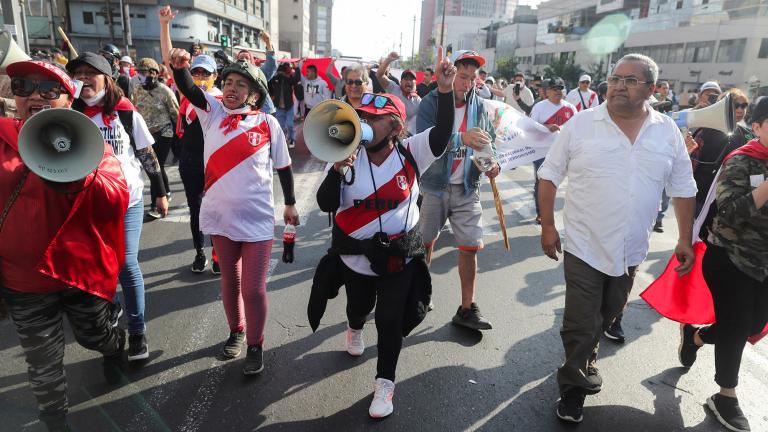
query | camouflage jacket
(159,108)
(740,227)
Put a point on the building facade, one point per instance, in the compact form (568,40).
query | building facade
(321,17)
(295,19)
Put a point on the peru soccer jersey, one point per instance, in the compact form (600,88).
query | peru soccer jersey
(237,203)
(547,113)
(393,199)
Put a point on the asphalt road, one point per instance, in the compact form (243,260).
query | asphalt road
(448,379)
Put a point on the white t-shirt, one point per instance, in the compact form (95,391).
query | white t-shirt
(115,136)
(459,125)
(397,190)
(545,112)
(315,91)
(239,205)
(589,96)
(411,105)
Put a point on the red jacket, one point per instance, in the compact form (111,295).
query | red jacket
(78,240)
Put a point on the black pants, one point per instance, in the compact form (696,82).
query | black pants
(192,173)
(741,310)
(162,148)
(39,324)
(388,295)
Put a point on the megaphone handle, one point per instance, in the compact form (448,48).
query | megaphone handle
(344,170)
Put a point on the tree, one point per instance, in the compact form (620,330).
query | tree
(597,72)
(505,68)
(565,69)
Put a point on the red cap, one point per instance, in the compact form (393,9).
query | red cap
(396,106)
(408,72)
(29,67)
(467,55)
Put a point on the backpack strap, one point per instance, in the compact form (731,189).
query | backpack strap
(409,157)
(126,118)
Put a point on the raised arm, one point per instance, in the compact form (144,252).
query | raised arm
(270,66)
(166,15)
(381,71)
(179,59)
(440,135)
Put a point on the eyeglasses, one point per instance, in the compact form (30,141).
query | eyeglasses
(378,101)
(629,82)
(354,82)
(741,105)
(201,72)
(47,89)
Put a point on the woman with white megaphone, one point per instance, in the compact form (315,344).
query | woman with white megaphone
(242,145)
(377,252)
(60,253)
(125,130)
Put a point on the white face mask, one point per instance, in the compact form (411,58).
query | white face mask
(95,99)
(126,70)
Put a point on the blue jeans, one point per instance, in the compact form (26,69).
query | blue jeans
(130,275)
(664,206)
(285,118)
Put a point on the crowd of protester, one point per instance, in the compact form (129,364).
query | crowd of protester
(230,122)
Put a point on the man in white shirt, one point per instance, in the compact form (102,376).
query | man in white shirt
(583,97)
(315,89)
(518,96)
(405,91)
(618,158)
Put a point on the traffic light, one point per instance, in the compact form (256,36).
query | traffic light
(224,39)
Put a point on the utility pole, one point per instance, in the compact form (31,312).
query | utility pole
(413,38)
(126,15)
(442,25)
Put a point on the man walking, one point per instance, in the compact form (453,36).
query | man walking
(518,96)
(315,89)
(583,97)
(618,158)
(451,185)
(405,91)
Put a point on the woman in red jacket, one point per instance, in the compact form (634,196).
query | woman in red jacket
(57,255)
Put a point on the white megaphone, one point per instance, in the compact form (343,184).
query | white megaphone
(9,51)
(333,130)
(61,145)
(719,116)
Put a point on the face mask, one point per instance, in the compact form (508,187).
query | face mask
(150,82)
(142,78)
(205,84)
(127,70)
(92,101)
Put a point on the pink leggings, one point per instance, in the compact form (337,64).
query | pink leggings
(244,267)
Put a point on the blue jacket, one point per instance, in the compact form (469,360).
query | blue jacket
(269,67)
(437,177)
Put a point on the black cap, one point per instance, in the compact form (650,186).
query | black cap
(554,82)
(91,59)
(111,50)
(760,111)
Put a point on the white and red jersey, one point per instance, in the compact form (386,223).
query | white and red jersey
(547,113)
(459,125)
(576,96)
(238,203)
(393,199)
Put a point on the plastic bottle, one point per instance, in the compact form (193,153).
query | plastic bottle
(289,240)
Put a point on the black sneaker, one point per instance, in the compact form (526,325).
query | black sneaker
(615,333)
(570,408)
(112,367)
(471,318)
(657,227)
(153,214)
(232,346)
(215,269)
(254,360)
(115,312)
(57,425)
(686,353)
(198,266)
(137,347)
(728,413)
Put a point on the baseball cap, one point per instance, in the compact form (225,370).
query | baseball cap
(554,82)
(467,55)
(204,61)
(491,79)
(408,72)
(759,112)
(126,59)
(585,77)
(710,85)
(376,105)
(29,67)
(91,59)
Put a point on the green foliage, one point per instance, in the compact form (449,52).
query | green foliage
(565,69)
(505,68)
(597,72)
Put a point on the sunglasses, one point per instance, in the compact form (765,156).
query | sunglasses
(378,101)
(47,89)
(741,105)
(354,82)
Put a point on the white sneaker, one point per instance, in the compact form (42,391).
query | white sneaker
(355,342)
(381,406)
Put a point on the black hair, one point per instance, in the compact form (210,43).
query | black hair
(429,70)
(313,67)
(468,62)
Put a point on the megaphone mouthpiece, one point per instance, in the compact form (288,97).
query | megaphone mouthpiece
(333,131)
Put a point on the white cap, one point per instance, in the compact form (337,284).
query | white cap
(585,77)
(491,79)
(710,85)
(126,59)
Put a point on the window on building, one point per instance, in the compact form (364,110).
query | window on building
(659,53)
(763,53)
(87,17)
(679,4)
(731,51)
(699,52)
(676,53)
(296,17)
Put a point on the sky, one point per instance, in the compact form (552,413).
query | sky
(371,29)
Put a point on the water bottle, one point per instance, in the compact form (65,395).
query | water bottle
(289,240)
